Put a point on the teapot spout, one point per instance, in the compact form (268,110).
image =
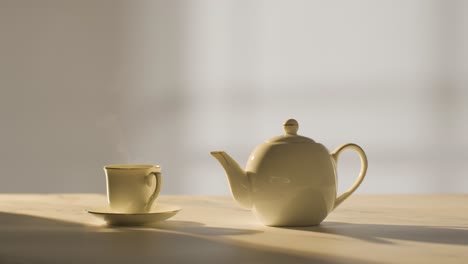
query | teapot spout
(238,179)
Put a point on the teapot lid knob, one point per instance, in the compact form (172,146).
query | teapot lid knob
(291,126)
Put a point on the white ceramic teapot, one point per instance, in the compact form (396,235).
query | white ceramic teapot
(290,180)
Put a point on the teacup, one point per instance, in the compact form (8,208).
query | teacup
(132,188)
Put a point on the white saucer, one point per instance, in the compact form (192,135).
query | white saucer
(158,213)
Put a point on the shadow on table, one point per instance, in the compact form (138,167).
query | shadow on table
(31,239)
(196,228)
(379,232)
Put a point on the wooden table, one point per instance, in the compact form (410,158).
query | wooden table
(365,229)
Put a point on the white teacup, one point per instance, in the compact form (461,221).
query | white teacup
(132,188)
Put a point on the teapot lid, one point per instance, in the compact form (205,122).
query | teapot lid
(291,126)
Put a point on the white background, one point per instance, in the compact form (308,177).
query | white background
(87,83)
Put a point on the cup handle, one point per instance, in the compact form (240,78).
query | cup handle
(362,173)
(157,175)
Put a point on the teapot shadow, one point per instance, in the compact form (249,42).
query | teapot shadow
(382,233)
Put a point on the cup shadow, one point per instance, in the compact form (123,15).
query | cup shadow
(381,233)
(31,239)
(199,228)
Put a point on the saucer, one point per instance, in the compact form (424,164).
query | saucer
(158,213)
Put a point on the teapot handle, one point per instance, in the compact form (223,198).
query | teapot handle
(362,173)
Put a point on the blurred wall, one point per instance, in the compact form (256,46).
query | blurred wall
(88,83)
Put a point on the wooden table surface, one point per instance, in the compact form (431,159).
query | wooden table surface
(364,229)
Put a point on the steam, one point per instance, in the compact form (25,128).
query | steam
(116,139)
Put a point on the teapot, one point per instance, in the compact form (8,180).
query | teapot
(289,180)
